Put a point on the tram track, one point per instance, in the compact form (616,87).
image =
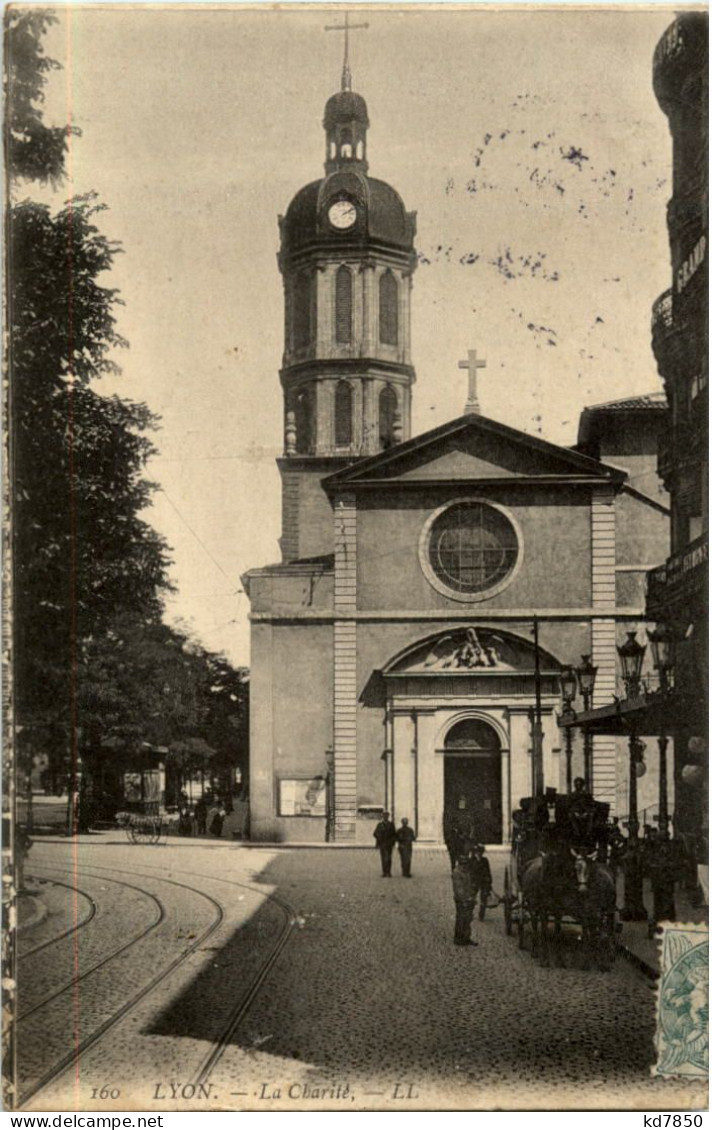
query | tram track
(71,929)
(71,1058)
(237,1014)
(160,917)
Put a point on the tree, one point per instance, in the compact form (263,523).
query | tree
(33,150)
(83,556)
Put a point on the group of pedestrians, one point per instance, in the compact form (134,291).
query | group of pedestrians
(471,874)
(387,837)
(208,815)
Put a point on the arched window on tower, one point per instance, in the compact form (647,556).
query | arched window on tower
(303,408)
(387,409)
(344,304)
(388,309)
(303,311)
(346,143)
(343,417)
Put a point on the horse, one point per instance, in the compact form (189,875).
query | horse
(580,888)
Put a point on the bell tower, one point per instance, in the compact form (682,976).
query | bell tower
(347,260)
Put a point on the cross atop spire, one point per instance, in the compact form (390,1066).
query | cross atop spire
(472,407)
(346,27)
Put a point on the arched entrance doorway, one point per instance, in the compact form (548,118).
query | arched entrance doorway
(473,780)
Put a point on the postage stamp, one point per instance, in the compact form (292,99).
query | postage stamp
(682,1018)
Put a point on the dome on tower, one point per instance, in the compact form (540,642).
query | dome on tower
(346,106)
(383,218)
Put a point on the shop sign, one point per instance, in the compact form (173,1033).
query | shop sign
(692,264)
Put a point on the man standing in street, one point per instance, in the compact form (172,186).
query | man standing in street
(405,837)
(481,877)
(385,837)
(463,889)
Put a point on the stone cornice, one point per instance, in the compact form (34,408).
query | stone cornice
(513,615)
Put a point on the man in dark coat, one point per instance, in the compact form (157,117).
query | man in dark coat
(385,837)
(201,815)
(463,890)
(405,837)
(458,830)
(481,876)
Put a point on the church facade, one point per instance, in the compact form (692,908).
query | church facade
(393,658)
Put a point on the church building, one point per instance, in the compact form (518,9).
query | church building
(393,658)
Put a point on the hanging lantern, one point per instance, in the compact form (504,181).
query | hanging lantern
(631,656)
(662,643)
(568,684)
(586,675)
(640,768)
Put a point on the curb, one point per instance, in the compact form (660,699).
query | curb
(639,962)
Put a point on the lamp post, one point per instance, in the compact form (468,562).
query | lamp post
(586,675)
(568,694)
(663,862)
(661,643)
(631,656)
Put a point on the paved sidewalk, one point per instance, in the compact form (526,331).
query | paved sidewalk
(643,950)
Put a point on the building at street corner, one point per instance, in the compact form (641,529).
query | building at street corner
(677,598)
(393,660)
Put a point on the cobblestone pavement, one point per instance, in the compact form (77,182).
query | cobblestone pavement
(368,1004)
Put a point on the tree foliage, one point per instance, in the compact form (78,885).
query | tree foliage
(149,684)
(83,552)
(83,555)
(96,670)
(33,150)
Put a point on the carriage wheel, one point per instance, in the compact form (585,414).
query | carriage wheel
(520,927)
(142,833)
(157,831)
(507,903)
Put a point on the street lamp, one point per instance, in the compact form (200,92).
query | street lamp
(586,675)
(631,656)
(662,645)
(568,694)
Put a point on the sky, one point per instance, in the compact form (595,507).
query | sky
(528,141)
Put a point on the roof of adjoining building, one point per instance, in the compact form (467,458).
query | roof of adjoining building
(655,400)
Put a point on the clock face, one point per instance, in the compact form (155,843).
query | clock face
(342,214)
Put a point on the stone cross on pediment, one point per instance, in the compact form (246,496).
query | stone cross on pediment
(472,364)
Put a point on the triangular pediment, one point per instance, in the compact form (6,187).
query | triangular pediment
(474,448)
(470,650)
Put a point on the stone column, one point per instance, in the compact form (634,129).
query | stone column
(430,781)
(520,740)
(324,310)
(403,767)
(370,416)
(324,416)
(506,796)
(369,336)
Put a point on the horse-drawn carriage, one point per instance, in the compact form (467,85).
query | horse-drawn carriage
(559,873)
(141,817)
